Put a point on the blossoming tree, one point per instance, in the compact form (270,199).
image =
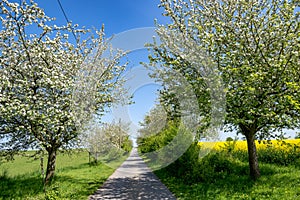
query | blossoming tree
(49,86)
(254,47)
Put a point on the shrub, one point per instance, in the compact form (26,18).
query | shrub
(156,142)
(127,144)
(185,166)
(216,165)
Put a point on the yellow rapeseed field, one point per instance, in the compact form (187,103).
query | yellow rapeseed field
(242,145)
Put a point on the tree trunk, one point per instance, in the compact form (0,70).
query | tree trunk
(50,165)
(252,155)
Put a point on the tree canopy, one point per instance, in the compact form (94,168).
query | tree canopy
(253,46)
(49,86)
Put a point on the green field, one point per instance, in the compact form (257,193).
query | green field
(75,178)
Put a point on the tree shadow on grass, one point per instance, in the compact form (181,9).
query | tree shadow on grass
(62,186)
(20,186)
(237,182)
(70,187)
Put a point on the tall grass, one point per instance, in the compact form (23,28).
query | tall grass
(280,152)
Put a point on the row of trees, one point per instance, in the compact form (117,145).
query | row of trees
(50,86)
(241,53)
(109,141)
(246,50)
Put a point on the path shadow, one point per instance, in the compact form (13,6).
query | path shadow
(144,186)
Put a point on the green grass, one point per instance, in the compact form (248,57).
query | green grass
(75,178)
(276,182)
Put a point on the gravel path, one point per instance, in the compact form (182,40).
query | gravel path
(133,180)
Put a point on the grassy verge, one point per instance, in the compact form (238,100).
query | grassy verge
(75,178)
(224,172)
(276,182)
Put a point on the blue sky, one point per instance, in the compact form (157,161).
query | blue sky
(117,15)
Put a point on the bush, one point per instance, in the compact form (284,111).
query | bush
(214,166)
(185,166)
(127,144)
(156,142)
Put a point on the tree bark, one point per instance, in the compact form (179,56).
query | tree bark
(50,165)
(252,156)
